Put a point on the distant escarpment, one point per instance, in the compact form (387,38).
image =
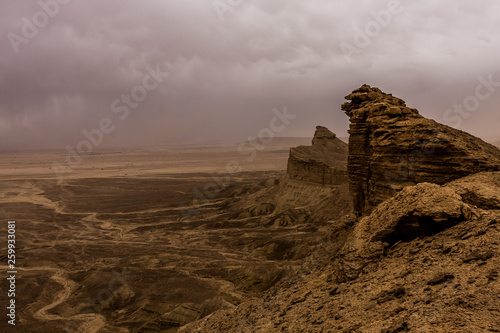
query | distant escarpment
(425,260)
(325,162)
(392,146)
(427,243)
(314,190)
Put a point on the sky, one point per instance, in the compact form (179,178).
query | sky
(161,72)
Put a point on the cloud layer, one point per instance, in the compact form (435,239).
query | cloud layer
(226,75)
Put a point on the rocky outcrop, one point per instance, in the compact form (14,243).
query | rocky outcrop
(417,212)
(314,190)
(425,260)
(325,162)
(292,202)
(481,190)
(392,146)
(423,257)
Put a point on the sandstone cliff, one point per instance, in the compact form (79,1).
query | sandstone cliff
(392,146)
(425,260)
(325,162)
(314,190)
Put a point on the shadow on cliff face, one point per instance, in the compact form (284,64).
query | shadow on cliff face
(392,146)
(418,211)
(290,203)
(313,192)
(409,260)
(411,227)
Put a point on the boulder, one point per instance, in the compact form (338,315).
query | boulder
(417,211)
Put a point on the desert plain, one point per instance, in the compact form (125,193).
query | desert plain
(135,239)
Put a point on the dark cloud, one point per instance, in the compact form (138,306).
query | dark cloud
(225,77)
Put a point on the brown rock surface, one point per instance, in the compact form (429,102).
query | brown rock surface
(416,211)
(392,146)
(325,162)
(480,189)
(292,202)
(446,280)
(424,258)
(314,190)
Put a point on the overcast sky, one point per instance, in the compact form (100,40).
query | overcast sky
(231,62)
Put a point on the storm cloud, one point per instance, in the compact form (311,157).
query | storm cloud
(66,65)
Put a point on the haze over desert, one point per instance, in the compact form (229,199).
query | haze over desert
(237,166)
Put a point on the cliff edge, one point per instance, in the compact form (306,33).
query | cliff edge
(325,162)
(392,146)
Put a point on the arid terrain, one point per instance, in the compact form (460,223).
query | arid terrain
(123,242)
(420,253)
(323,237)
(233,166)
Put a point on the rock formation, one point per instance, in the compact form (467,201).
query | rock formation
(325,162)
(392,146)
(314,190)
(424,257)
(425,260)
(415,212)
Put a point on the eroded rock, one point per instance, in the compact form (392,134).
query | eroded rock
(481,190)
(392,146)
(315,188)
(325,162)
(417,211)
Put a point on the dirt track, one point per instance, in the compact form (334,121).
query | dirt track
(74,236)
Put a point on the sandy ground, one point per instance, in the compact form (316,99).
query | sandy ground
(118,243)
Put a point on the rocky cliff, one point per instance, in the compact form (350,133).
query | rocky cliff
(392,146)
(425,260)
(325,162)
(314,190)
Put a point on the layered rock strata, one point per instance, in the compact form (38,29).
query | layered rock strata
(392,146)
(325,162)
(429,249)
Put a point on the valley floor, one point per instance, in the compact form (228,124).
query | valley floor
(125,243)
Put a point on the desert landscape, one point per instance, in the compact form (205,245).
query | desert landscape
(419,253)
(167,240)
(253,166)
(122,232)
